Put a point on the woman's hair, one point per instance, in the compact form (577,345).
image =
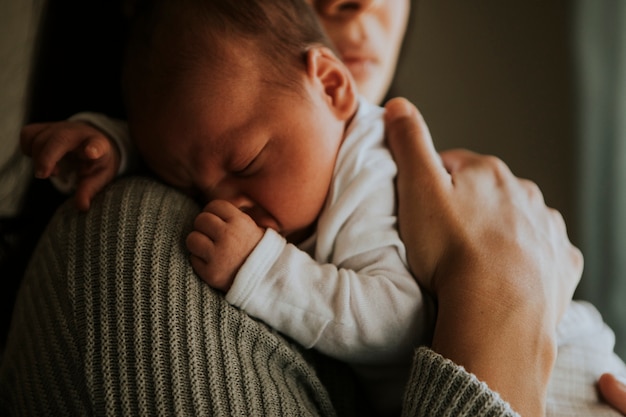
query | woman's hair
(169,36)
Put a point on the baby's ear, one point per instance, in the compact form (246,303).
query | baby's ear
(326,70)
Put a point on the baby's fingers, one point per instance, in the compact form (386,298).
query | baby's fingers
(29,134)
(199,265)
(49,143)
(50,146)
(199,245)
(210,225)
(35,142)
(89,186)
(95,147)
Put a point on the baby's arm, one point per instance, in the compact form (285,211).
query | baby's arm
(369,308)
(372,315)
(358,302)
(84,153)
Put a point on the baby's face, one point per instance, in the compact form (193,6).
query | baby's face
(269,151)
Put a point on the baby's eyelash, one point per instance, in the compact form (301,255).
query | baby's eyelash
(245,169)
(253,164)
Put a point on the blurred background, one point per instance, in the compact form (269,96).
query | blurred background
(542,85)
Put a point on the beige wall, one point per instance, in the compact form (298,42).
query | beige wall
(496,77)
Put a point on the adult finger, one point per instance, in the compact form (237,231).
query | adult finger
(613,391)
(455,160)
(421,177)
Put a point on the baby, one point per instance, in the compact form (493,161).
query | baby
(245,106)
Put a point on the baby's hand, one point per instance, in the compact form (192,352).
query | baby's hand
(72,147)
(223,238)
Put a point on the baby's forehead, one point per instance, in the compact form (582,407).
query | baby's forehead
(190,41)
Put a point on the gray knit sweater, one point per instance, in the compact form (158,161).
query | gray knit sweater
(111,321)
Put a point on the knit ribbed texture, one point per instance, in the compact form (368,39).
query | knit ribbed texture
(438,387)
(111,321)
(147,336)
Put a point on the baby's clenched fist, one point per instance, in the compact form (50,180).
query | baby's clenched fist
(222,239)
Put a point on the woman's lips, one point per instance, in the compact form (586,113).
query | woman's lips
(360,67)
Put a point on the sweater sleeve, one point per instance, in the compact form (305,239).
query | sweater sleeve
(439,387)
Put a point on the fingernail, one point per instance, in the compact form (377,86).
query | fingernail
(401,108)
(91,151)
(406,109)
(397,110)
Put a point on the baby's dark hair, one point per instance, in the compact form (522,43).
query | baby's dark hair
(168,36)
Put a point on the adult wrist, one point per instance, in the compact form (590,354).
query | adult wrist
(507,345)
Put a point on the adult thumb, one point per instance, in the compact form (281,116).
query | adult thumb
(409,140)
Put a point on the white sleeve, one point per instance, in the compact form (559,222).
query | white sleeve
(366,309)
(114,129)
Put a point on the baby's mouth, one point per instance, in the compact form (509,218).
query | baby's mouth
(262,218)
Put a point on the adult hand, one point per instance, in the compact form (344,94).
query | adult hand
(498,260)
